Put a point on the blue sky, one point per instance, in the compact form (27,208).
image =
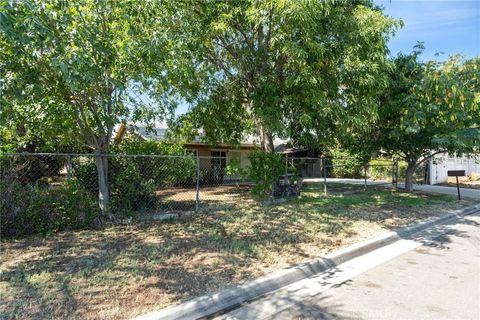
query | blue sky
(449,26)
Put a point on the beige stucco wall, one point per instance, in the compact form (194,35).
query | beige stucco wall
(204,152)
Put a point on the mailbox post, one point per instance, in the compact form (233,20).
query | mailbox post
(456,174)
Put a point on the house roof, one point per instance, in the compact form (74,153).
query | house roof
(160,134)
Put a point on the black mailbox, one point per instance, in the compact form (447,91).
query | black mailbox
(456,174)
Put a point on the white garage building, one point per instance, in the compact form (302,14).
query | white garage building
(441,163)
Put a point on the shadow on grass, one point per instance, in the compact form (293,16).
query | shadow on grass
(122,271)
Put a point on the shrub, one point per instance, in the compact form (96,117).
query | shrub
(380,169)
(130,191)
(35,209)
(133,181)
(473,176)
(164,170)
(130,181)
(28,169)
(85,172)
(234,168)
(346,165)
(265,168)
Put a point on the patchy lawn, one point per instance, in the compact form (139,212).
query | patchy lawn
(124,271)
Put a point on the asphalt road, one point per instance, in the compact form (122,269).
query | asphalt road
(433,276)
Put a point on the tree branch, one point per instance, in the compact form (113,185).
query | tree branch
(269,31)
(228,47)
(248,41)
(219,63)
(425,158)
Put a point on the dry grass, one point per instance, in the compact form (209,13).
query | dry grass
(210,196)
(463,182)
(123,271)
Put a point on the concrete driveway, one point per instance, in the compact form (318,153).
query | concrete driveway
(436,275)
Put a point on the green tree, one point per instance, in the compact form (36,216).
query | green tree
(429,108)
(298,69)
(24,128)
(82,63)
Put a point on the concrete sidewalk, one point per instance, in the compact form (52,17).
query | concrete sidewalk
(464,192)
(435,275)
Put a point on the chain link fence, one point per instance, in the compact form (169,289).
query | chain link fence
(335,173)
(162,183)
(331,172)
(66,186)
(149,183)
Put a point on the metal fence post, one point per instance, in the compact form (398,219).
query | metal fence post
(396,173)
(197,196)
(393,173)
(365,173)
(69,167)
(324,176)
(273,192)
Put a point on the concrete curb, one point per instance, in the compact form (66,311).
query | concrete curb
(227,299)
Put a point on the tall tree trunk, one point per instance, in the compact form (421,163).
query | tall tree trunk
(409,174)
(103,192)
(266,140)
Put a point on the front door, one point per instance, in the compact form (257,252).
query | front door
(218,165)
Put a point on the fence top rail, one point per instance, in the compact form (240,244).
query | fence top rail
(305,158)
(99,155)
(164,156)
(187,156)
(357,165)
(344,165)
(335,158)
(380,165)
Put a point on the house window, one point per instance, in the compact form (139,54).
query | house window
(219,159)
(192,152)
(218,165)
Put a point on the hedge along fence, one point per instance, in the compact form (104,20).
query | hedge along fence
(44,193)
(38,197)
(379,171)
(354,167)
(134,180)
(382,169)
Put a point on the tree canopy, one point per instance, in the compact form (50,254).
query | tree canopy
(428,108)
(81,61)
(84,63)
(316,72)
(297,69)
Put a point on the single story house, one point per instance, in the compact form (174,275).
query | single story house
(213,158)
